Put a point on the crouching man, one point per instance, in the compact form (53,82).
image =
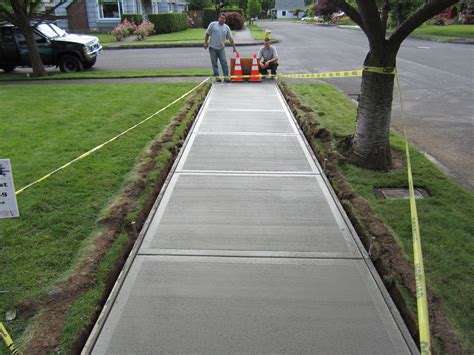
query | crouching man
(268,58)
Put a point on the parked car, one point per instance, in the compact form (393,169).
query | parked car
(69,52)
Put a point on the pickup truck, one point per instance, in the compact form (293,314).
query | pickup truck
(70,52)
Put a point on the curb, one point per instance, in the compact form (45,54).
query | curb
(466,41)
(184,45)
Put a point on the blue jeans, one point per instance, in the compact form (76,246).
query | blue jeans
(215,55)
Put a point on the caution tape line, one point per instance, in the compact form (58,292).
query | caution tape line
(421,299)
(8,340)
(89,152)
(328,75)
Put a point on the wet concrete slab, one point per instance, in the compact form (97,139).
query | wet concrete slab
(249,213)
(252,121)
(219,152)
(263,101)
(247,250)
(203,305)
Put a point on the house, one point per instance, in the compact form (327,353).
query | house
(286,8)
(104,15)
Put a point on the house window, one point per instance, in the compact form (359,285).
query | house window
(156,7)
(283,13)
(110,9)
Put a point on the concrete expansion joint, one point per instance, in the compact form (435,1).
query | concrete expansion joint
(255,256)
(247,173)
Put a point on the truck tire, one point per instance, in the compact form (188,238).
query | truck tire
(70,64)
(88,65)
(8,67)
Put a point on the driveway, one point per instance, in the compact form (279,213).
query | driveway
(436,79)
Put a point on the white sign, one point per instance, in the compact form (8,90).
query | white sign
(8,205)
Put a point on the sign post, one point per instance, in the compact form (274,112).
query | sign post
(8,204)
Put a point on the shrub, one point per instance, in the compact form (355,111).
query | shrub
(208,15)
(123,29)
(343,21)
(144,30)
(170,22)
(234,8)
(234,20)
(137,19)
(437,21)
(198,5)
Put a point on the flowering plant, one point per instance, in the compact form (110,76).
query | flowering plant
(124,29)
(144,30)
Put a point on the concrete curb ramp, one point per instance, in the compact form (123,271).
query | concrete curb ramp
(247,250)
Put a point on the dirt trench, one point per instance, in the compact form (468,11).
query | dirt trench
(51,310)
(386,254)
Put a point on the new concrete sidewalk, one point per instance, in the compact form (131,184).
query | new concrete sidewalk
(247,250)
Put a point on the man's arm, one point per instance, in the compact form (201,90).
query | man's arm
(206,37)
(275,56)
(231,39)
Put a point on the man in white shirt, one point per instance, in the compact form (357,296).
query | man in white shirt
(218,31)
(268,56)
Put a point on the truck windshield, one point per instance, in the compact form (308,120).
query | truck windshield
(50,30)
(58,30)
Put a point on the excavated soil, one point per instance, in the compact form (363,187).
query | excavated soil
(52,309)
(387,255)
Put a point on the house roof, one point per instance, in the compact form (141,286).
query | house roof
(289,4)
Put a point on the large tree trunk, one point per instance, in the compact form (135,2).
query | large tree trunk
(370,146)
(23,22)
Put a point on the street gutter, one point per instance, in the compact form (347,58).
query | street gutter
(176,45)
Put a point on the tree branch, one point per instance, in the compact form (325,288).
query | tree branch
(424,13)
(384,16)
(370,15)
(351,12)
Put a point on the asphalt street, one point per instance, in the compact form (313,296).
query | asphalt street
(436,80)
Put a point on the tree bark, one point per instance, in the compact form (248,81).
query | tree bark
(23,23)
(370,145)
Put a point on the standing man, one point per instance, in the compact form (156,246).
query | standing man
(268,58)
(219,32)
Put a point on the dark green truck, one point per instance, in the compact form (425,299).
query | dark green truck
(69,52)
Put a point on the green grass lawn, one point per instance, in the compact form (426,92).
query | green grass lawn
(60,215)
(105,37)
(446,218)
(96,74)
(447,32)
(257,32)
(191,34)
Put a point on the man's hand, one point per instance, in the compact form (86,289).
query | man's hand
(206,45)
(262,65)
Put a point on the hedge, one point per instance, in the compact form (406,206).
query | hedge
(170,22)
(137,19)
(209,14)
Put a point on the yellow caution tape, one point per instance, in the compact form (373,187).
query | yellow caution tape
(380,70)
(8,340)
(89,152)
(328,75)
(421,299)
